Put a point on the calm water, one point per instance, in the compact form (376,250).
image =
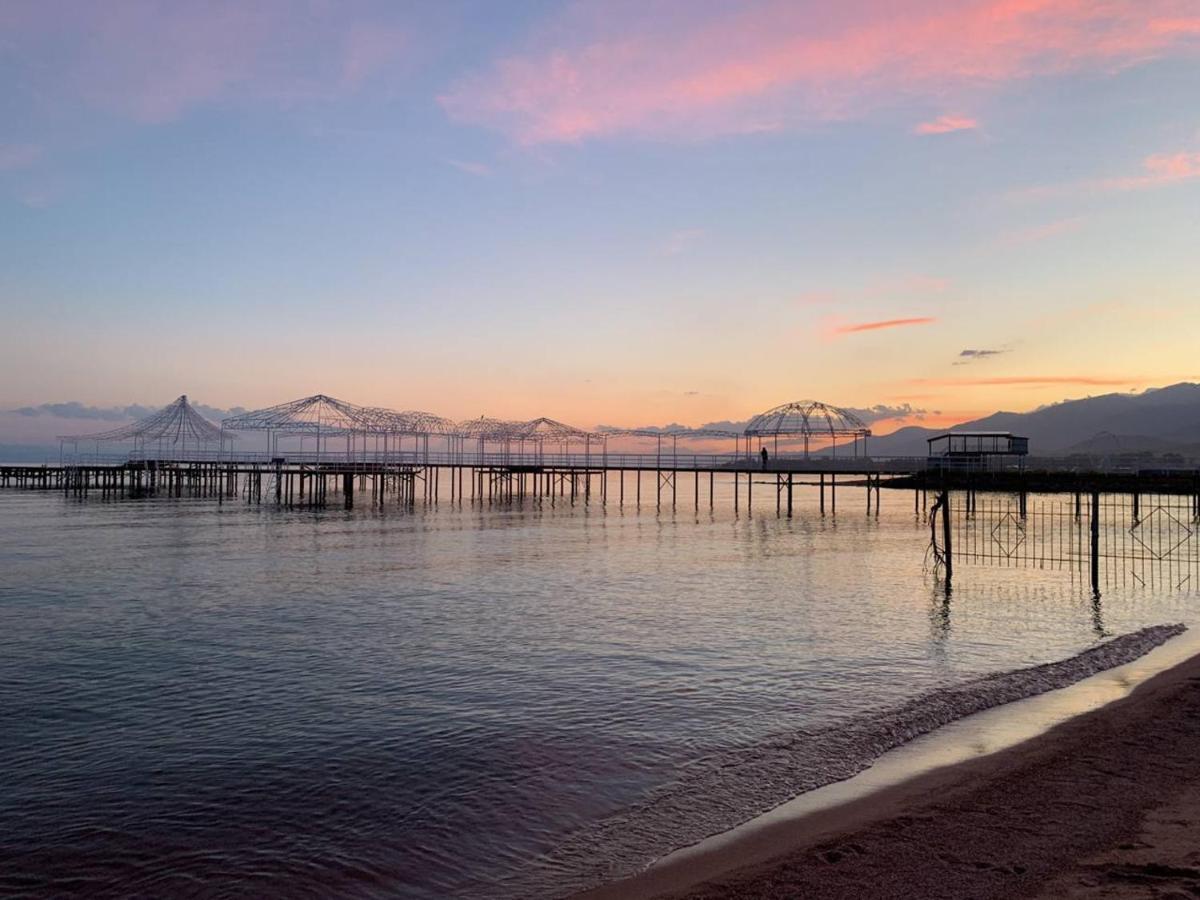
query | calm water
(202,699)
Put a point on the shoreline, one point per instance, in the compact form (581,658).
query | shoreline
(799,848)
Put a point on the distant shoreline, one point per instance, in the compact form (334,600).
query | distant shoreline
(1048,815)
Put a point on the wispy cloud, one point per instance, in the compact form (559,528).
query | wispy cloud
(945,125)
(1045,231)
(817,298)
(370,49)
(965,357)
(1157,170)
(683,239)
(18,156)
(856,327)
(882,411)
(478,169)
(153,61)
(682,70)
(73,409)
(1031,381)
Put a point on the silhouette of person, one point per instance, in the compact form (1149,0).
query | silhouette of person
(765,456)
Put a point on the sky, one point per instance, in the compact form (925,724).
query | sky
(624,213)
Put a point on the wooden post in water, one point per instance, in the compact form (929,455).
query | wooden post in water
(1095,543)
(946,533)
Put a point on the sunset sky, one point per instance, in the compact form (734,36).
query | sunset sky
(604,212)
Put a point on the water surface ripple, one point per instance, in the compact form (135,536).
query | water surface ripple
(201,700)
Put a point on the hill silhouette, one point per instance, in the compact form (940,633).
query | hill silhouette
(1157,421)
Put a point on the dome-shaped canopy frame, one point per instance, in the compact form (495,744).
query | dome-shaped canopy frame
(168,433)
(808,420)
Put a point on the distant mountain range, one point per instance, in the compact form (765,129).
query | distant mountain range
(1156,422)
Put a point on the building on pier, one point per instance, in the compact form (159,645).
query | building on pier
(977,450)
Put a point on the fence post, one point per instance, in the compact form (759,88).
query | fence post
(946,531)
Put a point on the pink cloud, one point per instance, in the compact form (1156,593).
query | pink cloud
(817,298)
(151,61)
(370,49)
(478,169)
(18,156)
(1041,232)
(683,239)
(945,125)
(1158,170)
(667,69)
(856,327)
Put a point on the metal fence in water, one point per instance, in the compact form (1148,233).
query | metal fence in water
(1107,540)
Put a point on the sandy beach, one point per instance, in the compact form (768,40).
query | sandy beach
(1106,804)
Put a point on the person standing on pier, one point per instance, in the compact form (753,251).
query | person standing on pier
(765,457)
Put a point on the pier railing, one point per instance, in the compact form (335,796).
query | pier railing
(476,459)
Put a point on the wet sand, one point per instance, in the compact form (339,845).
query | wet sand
(1106,804)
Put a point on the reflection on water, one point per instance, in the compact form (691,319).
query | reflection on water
(426,702)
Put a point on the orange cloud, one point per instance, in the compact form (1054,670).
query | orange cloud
(855,327)
(672,69)
(1030,381)
(945,125)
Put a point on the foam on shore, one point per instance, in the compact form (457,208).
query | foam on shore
(724,790)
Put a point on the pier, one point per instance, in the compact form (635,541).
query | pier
(320,452)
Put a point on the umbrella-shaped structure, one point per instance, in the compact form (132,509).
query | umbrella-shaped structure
(536,434)
(420,427)
(367,430)
(175,432)
(808,421)
(498,439)
(485,431)
(666,440)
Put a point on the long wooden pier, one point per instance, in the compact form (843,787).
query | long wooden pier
(670,481)
(286,482)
